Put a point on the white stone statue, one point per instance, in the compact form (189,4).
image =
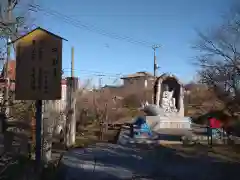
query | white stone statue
(168,111)
(168,102)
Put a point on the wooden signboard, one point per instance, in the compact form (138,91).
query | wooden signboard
(38,66)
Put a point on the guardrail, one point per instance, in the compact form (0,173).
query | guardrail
(224,136)
(116,126)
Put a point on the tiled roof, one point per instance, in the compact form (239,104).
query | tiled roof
(138,74)
(38,28)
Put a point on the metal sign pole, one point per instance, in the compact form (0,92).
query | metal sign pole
(38,131)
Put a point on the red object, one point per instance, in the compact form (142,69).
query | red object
(214,123)
(11,69)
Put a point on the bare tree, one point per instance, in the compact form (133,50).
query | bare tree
(78,109)
(219,62)
(52,118)
(20,111)
(21,23)
(199,99)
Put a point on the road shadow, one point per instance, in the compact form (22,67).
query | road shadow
(15,143)
(115,138)
(197,164)
(109,161)
(171,134)
(200,133)
(169,137)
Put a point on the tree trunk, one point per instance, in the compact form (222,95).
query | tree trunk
(47,141)
(67,134)
(47,148)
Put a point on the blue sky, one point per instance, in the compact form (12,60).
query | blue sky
(171,23)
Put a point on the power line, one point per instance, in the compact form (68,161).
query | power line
(88,27)
(114,78)
(107,14)
(93,72)
(119,15)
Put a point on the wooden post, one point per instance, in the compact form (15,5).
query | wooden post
(38,131)
(33,127)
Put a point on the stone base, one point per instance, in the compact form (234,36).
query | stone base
(174,124)
(158,122)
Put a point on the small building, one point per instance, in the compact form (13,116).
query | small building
(140,79)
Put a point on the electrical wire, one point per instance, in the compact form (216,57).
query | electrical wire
(94,72)
(97,75)
(88,27)
(113,79)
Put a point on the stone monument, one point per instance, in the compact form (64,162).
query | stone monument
(168,101)
(168,108)
(169,94)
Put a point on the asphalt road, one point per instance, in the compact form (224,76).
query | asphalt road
(108,161)
(115,162)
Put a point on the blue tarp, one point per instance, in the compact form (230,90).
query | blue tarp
(139,121)
(143,126)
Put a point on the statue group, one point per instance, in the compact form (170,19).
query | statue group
(168,95)
(168,102)
(167,111)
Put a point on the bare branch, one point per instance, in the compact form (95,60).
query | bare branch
(219,62)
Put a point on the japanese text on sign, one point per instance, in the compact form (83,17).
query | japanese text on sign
(38,76)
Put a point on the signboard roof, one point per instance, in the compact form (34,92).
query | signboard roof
(41,29)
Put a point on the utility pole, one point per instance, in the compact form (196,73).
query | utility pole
(72,62)
(71,115)
(145,90)
(100,83)
(105,120)
(155,66)
(100,116)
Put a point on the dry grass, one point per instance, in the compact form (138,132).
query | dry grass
(91,133)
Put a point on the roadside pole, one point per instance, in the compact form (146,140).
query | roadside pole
(155,66)
(73,102)
(38,151)
(101,123)
(106,119)
(70,129)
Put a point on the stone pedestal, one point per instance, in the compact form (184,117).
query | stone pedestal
(167,122)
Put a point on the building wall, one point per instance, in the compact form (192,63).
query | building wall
(54,111)
(138,82)
(58,105)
